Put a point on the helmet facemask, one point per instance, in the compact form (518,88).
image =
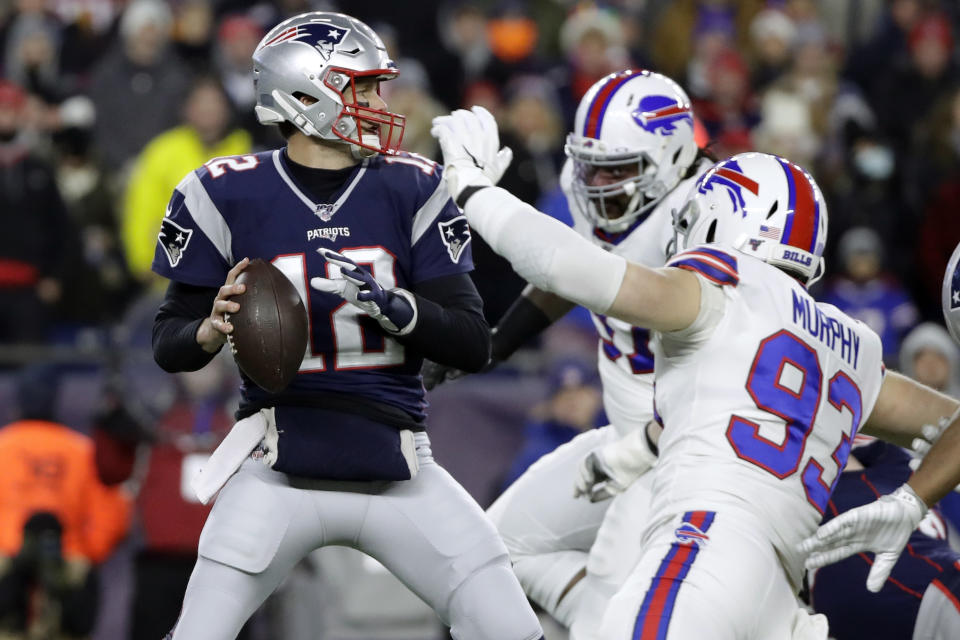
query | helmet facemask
(613,207)
(306,71)
(369,131)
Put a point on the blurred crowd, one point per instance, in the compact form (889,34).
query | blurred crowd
(105,105)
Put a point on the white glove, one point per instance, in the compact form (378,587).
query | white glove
(470,143)
(608,470)
(883,527)
(395,310)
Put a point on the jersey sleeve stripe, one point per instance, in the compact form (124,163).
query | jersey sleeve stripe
(716,253)
(710,267)
(428,213)
(710,273)
(206,215)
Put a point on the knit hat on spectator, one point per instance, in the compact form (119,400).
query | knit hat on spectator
(11,96)
(568,373)
(141,13)
(933,27)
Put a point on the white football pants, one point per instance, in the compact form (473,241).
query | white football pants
(708,575)
(552,536)
(427,531)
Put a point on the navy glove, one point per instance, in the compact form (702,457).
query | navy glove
(395,310)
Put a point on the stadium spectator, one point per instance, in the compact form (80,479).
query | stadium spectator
(206,133)
(593,45)
(102,286)
(31,51)
(679,24)
(929,355)
(869,294)
(237,37)
(905,94)
(464,54)
(772,36)
(139,83)
(730,111)
(35,246)
(170,517)
(193,33)
(572,406)
(57,520)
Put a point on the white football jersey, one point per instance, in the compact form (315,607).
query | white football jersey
(760,399)
(624,359)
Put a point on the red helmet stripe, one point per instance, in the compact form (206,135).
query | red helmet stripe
(591,127)
(805,214)
(740,179)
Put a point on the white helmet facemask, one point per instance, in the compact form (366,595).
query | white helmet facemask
(639,122)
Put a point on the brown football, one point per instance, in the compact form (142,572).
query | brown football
(269,335)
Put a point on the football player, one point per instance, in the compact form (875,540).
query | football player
(380,255)
(632,159)
(918,599)
(759,388)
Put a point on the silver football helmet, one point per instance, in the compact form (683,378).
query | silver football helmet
(320,55)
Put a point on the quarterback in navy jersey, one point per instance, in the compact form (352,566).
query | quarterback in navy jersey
(380,254)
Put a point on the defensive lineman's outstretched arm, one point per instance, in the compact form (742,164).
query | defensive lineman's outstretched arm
(546,253)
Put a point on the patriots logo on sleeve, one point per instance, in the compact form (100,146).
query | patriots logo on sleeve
(321,35)
(455,234)
(660,114)
(174,239)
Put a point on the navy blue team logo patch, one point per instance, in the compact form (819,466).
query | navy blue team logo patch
(690,534)
(455,234)
(660,114)
(323,36)
(173,238)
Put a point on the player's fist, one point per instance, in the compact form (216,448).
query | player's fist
(395,310)
(610,469)
(214,329)
(883,527)
(472,157)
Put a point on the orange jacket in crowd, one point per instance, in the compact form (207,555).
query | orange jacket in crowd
(49,467)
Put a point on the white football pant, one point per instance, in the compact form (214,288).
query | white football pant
(427,531)
(552,536)
(712,575)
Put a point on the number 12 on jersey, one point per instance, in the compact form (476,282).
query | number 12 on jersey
(800,410)
(351,346)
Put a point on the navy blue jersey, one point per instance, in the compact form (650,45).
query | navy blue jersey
(839,590)
(392,215)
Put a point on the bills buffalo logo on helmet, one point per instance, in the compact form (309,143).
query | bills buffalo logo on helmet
(730,176)
(660,114)
(690,534)
(321,35)
(455,234)
(174,240)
